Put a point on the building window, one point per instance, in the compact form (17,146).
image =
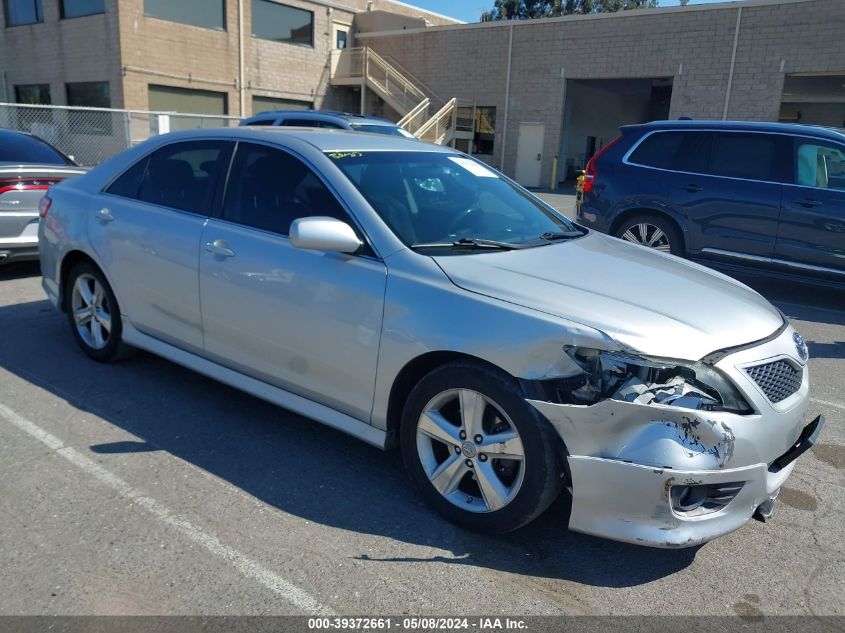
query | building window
(281,23)
(341,38)
(90,94)
(79,8)
(208,14)
(23,12)
(263,104)
(484,133)
(33,94)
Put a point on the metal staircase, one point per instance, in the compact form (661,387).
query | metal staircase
(364,67)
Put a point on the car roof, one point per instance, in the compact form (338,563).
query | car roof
(322,115)
(752,126)
(324,140)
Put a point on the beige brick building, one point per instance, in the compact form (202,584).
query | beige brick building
(211,56)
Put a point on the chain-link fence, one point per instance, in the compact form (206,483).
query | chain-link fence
(91,135)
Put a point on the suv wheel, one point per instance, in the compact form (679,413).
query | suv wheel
(93,313)
(652,231)
(477,451)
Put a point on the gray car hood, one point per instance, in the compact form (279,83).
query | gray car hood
(654,303)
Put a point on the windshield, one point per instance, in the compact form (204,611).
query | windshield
(389,130)
(436,200)
(24,149)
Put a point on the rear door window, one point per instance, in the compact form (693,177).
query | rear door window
(749,156)
(183,175)
(269,188)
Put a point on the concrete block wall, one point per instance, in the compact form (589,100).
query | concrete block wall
(692,45)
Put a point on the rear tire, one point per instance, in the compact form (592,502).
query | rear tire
(93,314)
(505,469)
(653,231)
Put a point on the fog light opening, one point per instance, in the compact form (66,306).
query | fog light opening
(698,499)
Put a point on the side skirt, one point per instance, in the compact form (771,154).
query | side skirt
(275,395)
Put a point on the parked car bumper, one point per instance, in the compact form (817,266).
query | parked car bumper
(634,467)
(21,248)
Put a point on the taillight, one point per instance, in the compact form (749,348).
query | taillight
(26,184)
(44,206)
(590,171)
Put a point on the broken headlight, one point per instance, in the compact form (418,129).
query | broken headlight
(633,378)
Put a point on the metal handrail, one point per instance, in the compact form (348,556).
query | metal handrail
(414,119)
(435,123)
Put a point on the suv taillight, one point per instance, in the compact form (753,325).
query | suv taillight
(590,171)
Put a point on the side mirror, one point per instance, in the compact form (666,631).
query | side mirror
(324,234)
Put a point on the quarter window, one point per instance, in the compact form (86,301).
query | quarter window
(23,12)
(281,23)
(180,176)
(268,189)
(819,164)
(129,182)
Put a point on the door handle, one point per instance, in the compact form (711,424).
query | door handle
(807,203)
(539,157)
(692,188)
(104,215)
(219,247)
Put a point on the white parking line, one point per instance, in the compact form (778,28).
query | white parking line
(828,403)
(245,565)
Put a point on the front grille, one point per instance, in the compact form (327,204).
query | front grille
(778,380)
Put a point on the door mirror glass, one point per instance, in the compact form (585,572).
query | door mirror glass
(323,233)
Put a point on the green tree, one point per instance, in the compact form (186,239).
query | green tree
(530,9)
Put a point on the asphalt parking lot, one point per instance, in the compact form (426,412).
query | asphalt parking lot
(143,488)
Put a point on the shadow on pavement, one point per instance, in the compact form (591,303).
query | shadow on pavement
(19,270)
(296,465)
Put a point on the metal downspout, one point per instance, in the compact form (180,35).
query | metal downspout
(733,62)
(507,100)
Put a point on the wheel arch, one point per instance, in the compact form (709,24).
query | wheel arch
(69,261)
(415,369)
(627,214)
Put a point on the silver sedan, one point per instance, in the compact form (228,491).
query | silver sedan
(411,296)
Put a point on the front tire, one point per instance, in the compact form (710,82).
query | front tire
(93,313)
(652,231)
(477,451)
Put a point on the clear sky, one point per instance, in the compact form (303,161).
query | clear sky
(469,10)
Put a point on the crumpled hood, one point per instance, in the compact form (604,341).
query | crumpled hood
(657,304)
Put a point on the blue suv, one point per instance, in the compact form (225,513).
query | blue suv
(326,119)
(767,196)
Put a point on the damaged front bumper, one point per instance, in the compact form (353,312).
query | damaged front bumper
(667,476)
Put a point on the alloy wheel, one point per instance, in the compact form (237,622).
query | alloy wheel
(470,450)
(646,234)
(91,311)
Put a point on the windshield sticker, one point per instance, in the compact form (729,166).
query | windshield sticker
(476,169)
(339,155)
